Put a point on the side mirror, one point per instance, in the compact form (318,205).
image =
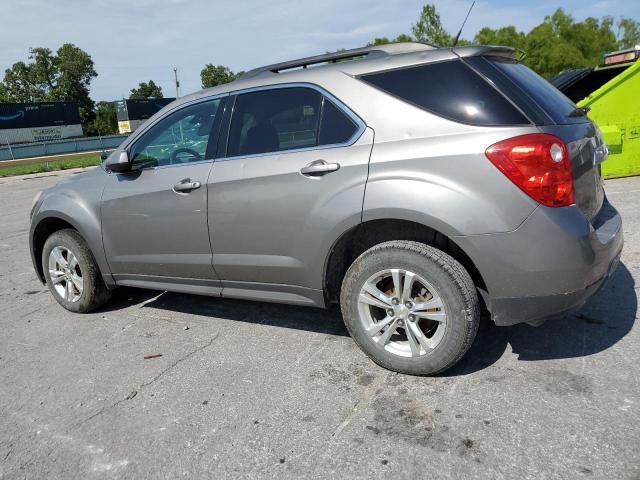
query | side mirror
(119,163)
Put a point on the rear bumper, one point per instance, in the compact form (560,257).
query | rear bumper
(550,265)
(509,311)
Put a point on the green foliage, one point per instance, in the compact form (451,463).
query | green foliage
(379,41)
(429,29)
(8,169)
(63,76)
(105,121)
(212,75)
(18,84)
(560,43)
(403,37)
(146,90)
(502,36)
(628,33)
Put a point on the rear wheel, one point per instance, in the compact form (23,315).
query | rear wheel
(410,307)
(71,272)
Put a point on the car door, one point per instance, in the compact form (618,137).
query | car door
(154,217)
(293,177)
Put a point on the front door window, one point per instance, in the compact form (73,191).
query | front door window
(181,137)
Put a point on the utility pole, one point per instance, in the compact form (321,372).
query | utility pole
(175,73)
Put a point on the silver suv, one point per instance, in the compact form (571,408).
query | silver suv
(412,185)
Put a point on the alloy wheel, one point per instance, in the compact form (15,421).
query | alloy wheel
(402,312)
(65,274)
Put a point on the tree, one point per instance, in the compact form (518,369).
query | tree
(106,120)
(146,90)
(507,36)
(4,97)
(429,29)
(212,75)
(18,84)
(403,37)
(63,76)
(628,33)
(548,55)
(560,43)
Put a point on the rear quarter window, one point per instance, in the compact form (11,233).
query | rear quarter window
(529,87)
(449,89)
(335,127)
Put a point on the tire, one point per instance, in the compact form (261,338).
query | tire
(64,282)
(441,295)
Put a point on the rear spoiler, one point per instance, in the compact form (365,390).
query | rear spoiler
(486,50)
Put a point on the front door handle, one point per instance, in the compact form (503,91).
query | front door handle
(185,186)
(319,168)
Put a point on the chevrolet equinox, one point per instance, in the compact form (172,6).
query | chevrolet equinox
(411,185)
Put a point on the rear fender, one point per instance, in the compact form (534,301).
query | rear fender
(445,182)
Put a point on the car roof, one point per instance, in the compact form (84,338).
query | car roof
(352,62)
(322,69)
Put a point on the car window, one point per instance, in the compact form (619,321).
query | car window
(181,137)
(549,98)
(336,126)
(274,120)
(450,89)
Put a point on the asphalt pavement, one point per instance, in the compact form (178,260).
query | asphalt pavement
(256,390)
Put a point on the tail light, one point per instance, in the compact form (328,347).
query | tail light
(539,165)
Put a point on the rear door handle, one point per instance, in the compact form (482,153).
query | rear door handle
(319,168)
(185,186)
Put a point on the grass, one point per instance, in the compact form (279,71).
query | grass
(49,165)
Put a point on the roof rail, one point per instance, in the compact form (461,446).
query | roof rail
(369,52)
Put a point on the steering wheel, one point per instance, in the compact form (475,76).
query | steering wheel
(174,158)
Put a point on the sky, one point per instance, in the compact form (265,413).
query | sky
(132,41)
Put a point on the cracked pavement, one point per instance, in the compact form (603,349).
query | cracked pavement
(255,390)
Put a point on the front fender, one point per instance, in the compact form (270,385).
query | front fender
(76,203)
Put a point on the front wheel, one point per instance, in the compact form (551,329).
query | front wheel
(410,307)
(71,272)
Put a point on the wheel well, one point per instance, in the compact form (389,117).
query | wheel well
(359,239)
(43,230)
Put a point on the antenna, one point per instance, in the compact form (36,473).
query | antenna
(455,42)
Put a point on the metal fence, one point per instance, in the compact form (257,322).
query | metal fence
(58,147)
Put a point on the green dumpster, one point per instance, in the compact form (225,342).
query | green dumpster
(612,91)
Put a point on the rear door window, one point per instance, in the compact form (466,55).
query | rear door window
(284,119)
(274,120)
(449,89)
